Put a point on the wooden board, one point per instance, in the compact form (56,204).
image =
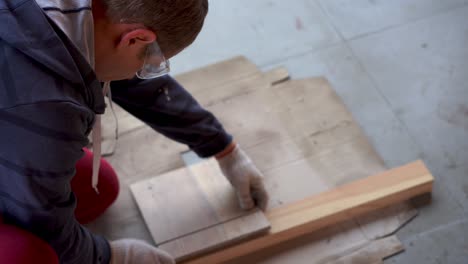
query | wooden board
(328,208)
(194,209)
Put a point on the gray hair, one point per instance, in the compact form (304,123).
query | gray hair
(175,22)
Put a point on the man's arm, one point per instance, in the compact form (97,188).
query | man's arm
(167,107)
(39,147)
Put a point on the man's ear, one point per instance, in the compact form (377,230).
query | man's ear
(138,37)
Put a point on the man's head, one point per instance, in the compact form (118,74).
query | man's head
(124,29)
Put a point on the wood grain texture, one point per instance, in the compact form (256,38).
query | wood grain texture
(194,209)
(339,204)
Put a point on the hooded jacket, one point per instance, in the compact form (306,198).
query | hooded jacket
(49,99)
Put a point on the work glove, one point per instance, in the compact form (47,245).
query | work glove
(132,251)
(244,176)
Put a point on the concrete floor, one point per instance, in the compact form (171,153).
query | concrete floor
(400,66)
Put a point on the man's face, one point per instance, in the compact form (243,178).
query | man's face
(118,65)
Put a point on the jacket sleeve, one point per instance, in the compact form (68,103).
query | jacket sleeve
(40,145)
(167,107)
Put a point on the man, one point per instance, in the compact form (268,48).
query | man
(54,56)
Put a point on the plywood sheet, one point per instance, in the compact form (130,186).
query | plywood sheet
(194,209)
(329,149)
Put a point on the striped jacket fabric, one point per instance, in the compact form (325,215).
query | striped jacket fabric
(49,97)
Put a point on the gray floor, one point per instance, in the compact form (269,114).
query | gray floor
(401,66)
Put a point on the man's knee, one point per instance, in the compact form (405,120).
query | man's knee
(90,204)
(20,247)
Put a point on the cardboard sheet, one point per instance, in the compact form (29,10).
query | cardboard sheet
(300,135)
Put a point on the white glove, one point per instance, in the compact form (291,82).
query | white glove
(132,251)
(245,178)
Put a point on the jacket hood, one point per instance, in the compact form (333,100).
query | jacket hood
(24,26)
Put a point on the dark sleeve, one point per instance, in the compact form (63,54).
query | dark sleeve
(167,107)
(39,146)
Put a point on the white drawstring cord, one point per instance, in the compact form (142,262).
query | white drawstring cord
(116,130)
(97,132)
(96,152)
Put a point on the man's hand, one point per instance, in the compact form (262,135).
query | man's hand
(132,251)
(244,177)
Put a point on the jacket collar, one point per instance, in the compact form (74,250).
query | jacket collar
(26,28)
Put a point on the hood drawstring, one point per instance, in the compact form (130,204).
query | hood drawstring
(116,130)
(97,132)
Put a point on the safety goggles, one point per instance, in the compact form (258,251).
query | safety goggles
(155,64)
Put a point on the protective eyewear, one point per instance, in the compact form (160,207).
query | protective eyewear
(155,64)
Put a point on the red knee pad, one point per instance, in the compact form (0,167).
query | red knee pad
(90,204)
(20,247)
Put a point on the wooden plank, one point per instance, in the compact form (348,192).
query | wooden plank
(342,203)
(194,209)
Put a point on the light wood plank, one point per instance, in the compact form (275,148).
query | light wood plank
(342,203)
(217,191)
(186,200)
(194,209)
(170,203)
